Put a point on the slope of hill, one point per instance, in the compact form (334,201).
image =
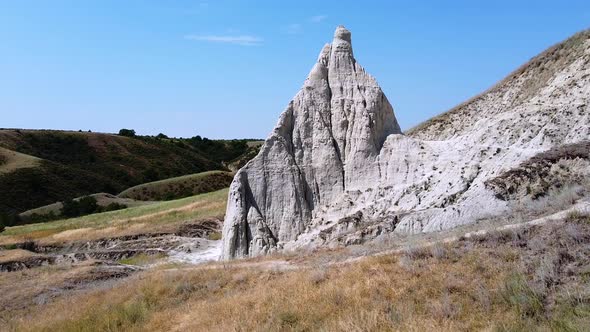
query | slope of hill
(53,211)
(11,160)
(63,165)
(179,187)
(552,83)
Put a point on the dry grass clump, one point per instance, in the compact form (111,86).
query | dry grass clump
(577,217)
(375,294)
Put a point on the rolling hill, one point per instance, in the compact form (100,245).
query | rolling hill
(179,187)
(40,167)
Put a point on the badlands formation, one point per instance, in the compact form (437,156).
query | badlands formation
(338,170)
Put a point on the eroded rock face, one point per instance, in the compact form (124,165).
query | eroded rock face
(327,141)
(337,170)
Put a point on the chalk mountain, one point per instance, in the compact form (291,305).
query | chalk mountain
(337,169)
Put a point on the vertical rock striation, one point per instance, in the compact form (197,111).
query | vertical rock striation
(326,142)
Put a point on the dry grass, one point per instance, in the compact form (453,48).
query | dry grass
(13,160)
(475,284)
(15,254)
(142,259)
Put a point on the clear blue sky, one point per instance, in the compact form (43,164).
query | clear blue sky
(227,69)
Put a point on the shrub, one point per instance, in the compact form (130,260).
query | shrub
(70,208)
(29,245)
(214,236)
(127,132)
(522,297)
(87,205)
(288,319)
(113,207)
(84,206)
(416,252)
(577,217)
(8,219)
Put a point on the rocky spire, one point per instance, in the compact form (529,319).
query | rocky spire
(326,142)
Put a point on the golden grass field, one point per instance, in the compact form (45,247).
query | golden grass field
(524,279)
(476,284)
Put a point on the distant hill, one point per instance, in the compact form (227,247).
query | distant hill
(40,167)
(54,210)
(179,187)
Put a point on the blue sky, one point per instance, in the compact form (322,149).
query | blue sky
(227,69)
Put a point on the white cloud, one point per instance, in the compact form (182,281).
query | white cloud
(318,18)
(243,40)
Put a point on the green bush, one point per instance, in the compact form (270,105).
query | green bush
(127,132)
(75,208)
(79,164)
(519,294)
(113,207)
(87,205)
(8,219)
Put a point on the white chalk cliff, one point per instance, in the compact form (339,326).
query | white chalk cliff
(337,169)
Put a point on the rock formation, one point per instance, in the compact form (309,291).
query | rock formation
(325,143)
(337,170)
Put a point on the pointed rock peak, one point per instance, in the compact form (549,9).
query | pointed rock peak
(324,56)
(342,33)
(342,44)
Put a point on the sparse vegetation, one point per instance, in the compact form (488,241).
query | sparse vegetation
(214,236)
(492,282)
(534,75)
(85,206)
(561,167)
(142,259)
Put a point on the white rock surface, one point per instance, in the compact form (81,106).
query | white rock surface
(205,251)
(337,170)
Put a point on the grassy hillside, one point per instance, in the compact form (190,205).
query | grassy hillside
(179,187)
(28,188)
(11,160)
(63,165)
(526,279)
(137,219)
(53,211)
(534,74)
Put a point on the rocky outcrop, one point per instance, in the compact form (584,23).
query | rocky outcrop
(337,170)
(327,141)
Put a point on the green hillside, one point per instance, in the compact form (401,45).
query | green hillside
(60,165)
(179,187)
